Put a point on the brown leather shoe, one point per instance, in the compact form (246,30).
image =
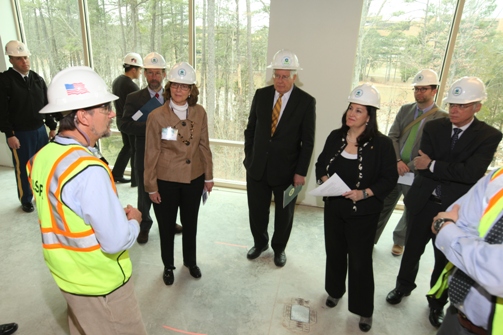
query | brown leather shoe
(178,229)
(142,237)
(397,250)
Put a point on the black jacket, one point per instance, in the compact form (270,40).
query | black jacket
(20,103)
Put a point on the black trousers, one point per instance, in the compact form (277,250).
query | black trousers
(418,235)
(126,154)
(187,197)
(349,241)
(259,203)
(31,141)
(144,203)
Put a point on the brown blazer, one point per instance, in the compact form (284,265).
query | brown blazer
(177,161)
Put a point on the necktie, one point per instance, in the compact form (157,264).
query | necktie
(454,139)
(461,283)
(409,143)
(275,114)
(25,78)
(157,95)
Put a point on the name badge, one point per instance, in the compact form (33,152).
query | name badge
(169,134)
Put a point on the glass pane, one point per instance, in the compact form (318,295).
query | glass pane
(231,60)
(398,38)
(228,162)
(110,147)
(478,53)
(53,35)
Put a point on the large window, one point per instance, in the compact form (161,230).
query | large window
(229,54)
(400,37)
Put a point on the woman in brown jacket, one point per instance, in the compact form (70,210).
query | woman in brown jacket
(178,165)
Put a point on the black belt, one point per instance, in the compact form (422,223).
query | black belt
(468,325)
(435,199)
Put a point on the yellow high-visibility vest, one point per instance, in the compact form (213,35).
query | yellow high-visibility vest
(70,247)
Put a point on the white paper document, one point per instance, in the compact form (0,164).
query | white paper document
(333,187)
(406,179)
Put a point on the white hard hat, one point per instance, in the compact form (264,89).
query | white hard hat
(74,88)
(425,78)
(182,73)
(134,59)
(154,61)
(16,49)
(285,60)
(466,90)
(365,94)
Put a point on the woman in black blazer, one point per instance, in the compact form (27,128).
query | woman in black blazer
(365,160)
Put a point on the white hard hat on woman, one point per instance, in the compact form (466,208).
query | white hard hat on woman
(365,94)
(182,73)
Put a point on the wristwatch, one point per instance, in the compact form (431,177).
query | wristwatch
(437,225)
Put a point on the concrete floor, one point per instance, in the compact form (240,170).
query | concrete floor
(234,295)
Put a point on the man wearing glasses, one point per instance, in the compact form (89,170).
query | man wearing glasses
(454,154)
(406,134)
(86,233)
(279,141)
(134,123)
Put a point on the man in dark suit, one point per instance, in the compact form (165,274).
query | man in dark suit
(154,71)
(455,153)
(279,140)
(406,133)
(122,86)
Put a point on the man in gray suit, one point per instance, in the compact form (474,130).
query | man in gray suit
(406,133)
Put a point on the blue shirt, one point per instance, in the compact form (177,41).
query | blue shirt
(463,247)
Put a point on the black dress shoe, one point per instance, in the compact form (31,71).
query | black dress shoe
(280,259)
(142,237)
(168,276)
(8,328)
(254,252)
(395,296)
(178,229)
(332,302)
(436,317)
(28,208)
(365,324)
(195,271)
(122,180)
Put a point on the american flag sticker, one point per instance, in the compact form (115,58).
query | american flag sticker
(76,89)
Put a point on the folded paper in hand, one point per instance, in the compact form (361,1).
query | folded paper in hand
(290,193)
(333,187)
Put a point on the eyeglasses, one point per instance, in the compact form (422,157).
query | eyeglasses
(421,89)
(277,76)
(183,87)
(462,106)
(103,108)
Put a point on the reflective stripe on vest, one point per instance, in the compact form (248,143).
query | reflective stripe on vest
(71,250)
(489,217)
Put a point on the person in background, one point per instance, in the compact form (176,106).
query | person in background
(121,87)
(406,133)
(23,93)
(454,154)
(470,235)
(178,166)
(365,160)
(154,71)
(279,140)
(85,231)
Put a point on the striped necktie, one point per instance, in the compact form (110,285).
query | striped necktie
(275,114)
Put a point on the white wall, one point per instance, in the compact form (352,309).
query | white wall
(7,33)
(323,34)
